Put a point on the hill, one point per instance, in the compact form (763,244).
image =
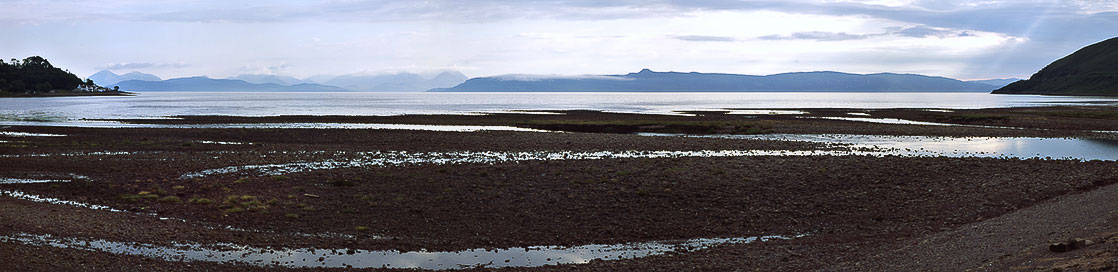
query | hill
(218,85)
(108,78)
(1092,70)
(649,81)
(35,76)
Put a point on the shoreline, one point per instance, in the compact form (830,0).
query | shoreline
(65,94)
(442,196)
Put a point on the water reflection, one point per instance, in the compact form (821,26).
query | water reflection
(343,258)
(895,121)
(1009,147)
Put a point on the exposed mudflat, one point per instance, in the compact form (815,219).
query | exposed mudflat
(366,190)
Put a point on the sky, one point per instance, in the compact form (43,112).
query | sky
(176,38)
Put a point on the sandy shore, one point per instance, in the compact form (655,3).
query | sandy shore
(855,212)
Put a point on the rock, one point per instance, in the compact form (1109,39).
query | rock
(1059,247)
(1071,244)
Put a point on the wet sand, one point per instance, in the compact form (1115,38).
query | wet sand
(852,209)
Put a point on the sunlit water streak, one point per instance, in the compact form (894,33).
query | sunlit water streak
(30,181)
(404,158)
(344,258)
(36,198)
(991,147)
(895,121)
(27,134)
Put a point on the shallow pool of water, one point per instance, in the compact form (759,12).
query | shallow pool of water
(342,258)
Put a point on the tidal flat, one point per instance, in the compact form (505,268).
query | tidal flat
(564,191)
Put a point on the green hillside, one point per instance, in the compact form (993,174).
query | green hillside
(1092,70)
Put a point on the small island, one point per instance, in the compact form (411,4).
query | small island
(35,77)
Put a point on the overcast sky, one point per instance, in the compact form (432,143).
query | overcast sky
(174,38)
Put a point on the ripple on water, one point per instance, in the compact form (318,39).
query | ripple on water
(341,258)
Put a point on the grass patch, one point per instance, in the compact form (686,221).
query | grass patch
(634,126)
(171,199)
(201,201)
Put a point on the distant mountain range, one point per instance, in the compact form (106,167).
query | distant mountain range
(649,81)
(108,78)
(1092,70)
(206,84)
(398,82)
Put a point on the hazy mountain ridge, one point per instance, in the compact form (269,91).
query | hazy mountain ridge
(1092,70)
(997,82)
(206,84)
(398,82)
(274,79)
(108,78)
(649,81)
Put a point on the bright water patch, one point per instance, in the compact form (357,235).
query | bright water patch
(30,181)
(403,158)
(35,198)
(224,143)
(342,258)
(28,134)
(1007,147)
(895,121)
(767,112)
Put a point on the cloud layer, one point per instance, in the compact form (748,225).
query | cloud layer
(964,39)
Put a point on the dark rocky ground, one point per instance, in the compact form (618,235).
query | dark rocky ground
(861,213)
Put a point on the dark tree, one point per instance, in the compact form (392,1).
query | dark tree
(37,73)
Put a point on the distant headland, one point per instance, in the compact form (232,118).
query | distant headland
(649,81)
(1092,70)
(35,77)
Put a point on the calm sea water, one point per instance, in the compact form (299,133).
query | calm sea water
(159,104)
